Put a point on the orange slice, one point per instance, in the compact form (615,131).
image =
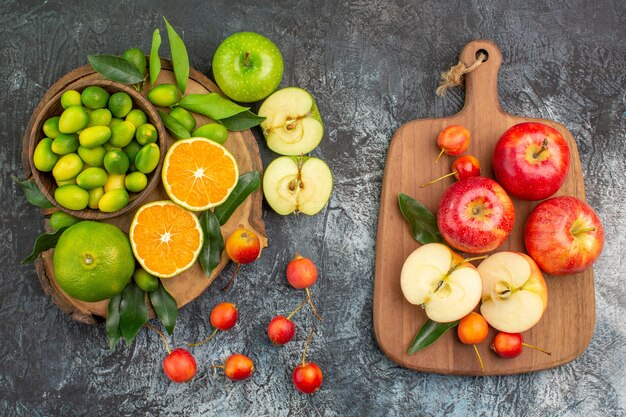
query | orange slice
(166,239)
(199,174)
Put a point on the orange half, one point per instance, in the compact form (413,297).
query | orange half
(199,174)
(166,239)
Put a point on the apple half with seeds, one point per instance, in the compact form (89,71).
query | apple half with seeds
(297,184)
(292,125)
(441,281)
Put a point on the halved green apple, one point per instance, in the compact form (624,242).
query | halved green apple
(301,184)
(292,125)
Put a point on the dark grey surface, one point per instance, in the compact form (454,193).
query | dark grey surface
(371,66)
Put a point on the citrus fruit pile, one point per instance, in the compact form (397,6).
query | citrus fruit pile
(98,150)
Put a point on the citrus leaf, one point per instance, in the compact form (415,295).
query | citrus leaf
(211,105)
(155,60)
(180,60)
(33,195)
(165,307)
(133,311)
(44,242)
(115,68)
(242,121)
(423,223)
(246,185)
(428,334)
(174,126)
(113,320)
(213,245)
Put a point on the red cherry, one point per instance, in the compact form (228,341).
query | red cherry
(280,330)
(301,272)
(180,365)
(224,316)
(238,367)
(242,246)
(453,140)
(307,377)
(509,345)
(463,167)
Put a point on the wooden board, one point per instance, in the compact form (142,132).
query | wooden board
(191,283)
(567,325)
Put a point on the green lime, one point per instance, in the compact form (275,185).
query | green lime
(114,182)
(137,117)
(136,181)
(115,121)
(43,157)
(72,197)
(95,97)
(145,281)
(121,134)
(164,95)
(70,98)
(93,261)
(65,143)
(147,158)
(92,156)
(100,117)
(120,104)
(92,177)
(67,167)
(61,219)
(136,57)
(71,181)
(113,200)
(131,150)
(116,162)
(110,147)
(184,118)
(146,133)
(94,136)
(213,131)
(95,194)
(73,119)
(51,127)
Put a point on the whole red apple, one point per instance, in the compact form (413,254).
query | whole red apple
(180,365)
(531,160)
(563,235)
(475,215)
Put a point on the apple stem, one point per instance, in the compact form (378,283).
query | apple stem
(476,258)
(440,153)
(246,59)
(440,178)
(204,341)
(167,347)
(578,231)
(312,306)
(536,348)
(480,360)
(302,304)
(232,278)
(306,344)
(544,146)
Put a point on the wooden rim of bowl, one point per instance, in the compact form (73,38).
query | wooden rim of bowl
(45,181)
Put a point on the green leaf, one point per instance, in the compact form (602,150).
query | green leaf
(133,311)
(242,121)
(211,105)
(180,60)
(155,60)
(43,242)
(113,320)
(174,126)
(165,307)
(428,334)
(115,68)
(213,245)
(33,195)
(423,223)
(246,185)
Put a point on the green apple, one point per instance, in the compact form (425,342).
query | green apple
(292,125)
(299,185)
(247,67)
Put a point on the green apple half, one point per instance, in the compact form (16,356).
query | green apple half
(292,125)
(299,185)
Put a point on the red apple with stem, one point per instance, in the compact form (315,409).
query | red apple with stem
(243,247)
(509,345)
(307,376)
(281,329)
(302,273)
(453,140)
(237,367)
(564,235)
(463,167)
(531,160)
(475,215)
(179,365)
(223,317)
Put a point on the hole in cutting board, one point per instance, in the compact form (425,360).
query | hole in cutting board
(484,51)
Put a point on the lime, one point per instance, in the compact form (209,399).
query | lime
(92,156)
(146,133)
(95,97)
(184,118)
(120,104)
(136,57)
(164,95)
(92,177)
(51,127)
(93,261)
(73,119)
(137,117)
(71,196)
(114,182)
(61,219)
(65,143)
(145,281)
(66,182)
(94,136)
(100,117)
(95,194)
(43,157)
(115,121)
(116,162)
(214,131)
(122,133)
(70,98)
(136,182)
(68,166)
(113,200)
(131,150)
(148,158)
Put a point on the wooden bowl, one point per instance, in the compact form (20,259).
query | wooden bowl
(46,182)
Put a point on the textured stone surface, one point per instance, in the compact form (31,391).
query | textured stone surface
(371,66)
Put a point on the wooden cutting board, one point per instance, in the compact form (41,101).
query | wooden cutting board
(567,324)
(191,283)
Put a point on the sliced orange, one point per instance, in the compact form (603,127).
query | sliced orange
(166,239)
(199,174)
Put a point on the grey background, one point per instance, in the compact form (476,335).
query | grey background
(371,66)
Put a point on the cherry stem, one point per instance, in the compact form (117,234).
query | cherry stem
(480,360)
(306,344)
(232,278)
(167,347)
(302,304)
(536,348)
(438,179)
(312,306)
(440,153)
(476,258)
(544,147)
(217,366)
(246,59)
(204,341)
